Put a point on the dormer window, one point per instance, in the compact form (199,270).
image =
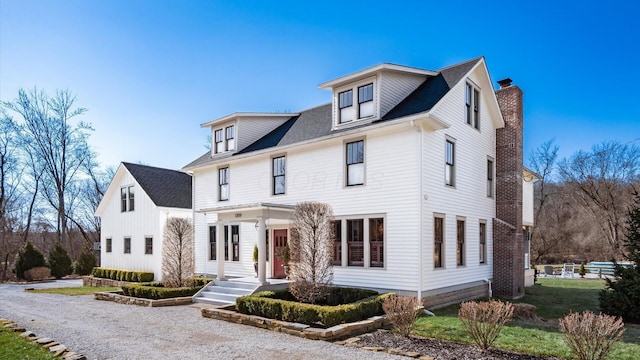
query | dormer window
(356,102)
(345,103)
(230,137)
(365,101)
(219,141)
(224,139)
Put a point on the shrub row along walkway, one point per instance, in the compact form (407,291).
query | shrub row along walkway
(102,330)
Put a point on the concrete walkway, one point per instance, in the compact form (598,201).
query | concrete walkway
(106,330)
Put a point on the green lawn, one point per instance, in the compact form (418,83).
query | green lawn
(12,346)
(554,299)
(80,290)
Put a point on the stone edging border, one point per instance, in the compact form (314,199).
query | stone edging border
(123,299)
(353,342)
(302,330)
(57,349)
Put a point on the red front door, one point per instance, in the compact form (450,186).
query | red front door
(279,244)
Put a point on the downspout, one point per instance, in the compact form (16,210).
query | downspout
(421,167)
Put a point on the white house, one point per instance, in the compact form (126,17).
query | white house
(423,170)
(133,212)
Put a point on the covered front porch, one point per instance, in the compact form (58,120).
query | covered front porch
(267,218)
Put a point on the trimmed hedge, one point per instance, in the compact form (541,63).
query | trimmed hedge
(200,281)
(275,305)
(122,275)
(157,291)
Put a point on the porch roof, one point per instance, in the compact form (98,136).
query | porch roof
(250,212)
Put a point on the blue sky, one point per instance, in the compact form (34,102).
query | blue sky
(150,72)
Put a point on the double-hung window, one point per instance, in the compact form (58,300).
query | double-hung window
(127,200)
(337,243)
(472,106)
(449,170)
(345,105)
(355,163)
(123,199)
(212,243)
(355,242)
(376,242)
(489,178)
(483,242)
(223,184)
(438,242)
(230,138)
(232,235)
(219,141)
(365,101)
(278,175)
(109,245)
(460,257)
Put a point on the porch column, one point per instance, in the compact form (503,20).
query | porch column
(220,249)
(262,251)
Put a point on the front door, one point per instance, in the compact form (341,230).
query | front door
(279,244)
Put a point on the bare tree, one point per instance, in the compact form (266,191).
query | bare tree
(311,244)
(603,181)
(177,252)
(9,193)
(58,149)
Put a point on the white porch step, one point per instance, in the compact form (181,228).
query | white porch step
(224,292)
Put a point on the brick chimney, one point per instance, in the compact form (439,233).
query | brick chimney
(508,242)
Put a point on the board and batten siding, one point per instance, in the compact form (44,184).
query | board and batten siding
(394,87)
(146,220)
(468,198)
(316,172)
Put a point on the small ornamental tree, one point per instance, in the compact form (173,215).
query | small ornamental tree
(85,262)
(28,257)
(59,261)
(621,297)
(311,251)
(177,252)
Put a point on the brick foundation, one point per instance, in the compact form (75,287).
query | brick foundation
(455,296)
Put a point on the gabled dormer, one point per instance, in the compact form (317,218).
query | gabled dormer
(238,130)
(367,95)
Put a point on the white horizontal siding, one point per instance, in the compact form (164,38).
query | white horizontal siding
(251,129)
(394,87)
(315,172)
(468,198)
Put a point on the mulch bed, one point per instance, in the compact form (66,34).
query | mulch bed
(440,349)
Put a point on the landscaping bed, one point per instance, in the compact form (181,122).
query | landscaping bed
(416,346)
(343,305)
(336,332)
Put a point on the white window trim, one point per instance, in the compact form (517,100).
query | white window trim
(273,188)
(224,140)
(492,189)
(486,242)
(455,162)
(365,238)
(228,183)
(474,122)
(443,247)
(345,167)
(464,244)
(355,104)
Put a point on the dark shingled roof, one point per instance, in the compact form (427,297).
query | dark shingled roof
(317,122)
(166,188)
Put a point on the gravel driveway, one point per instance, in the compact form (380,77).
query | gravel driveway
(106,330)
